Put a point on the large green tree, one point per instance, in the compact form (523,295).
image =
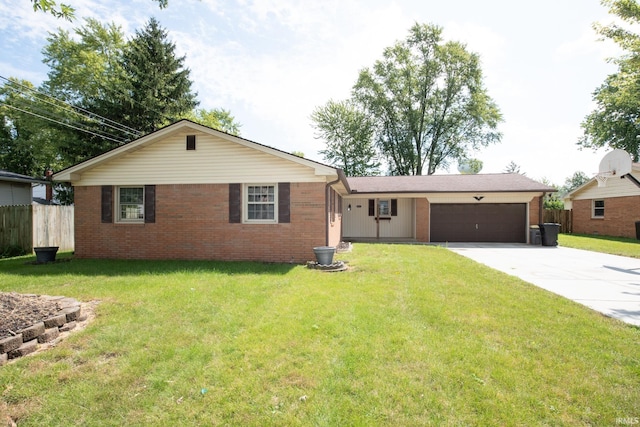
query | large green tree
(615,121)
(348,133)
(574,181)
(86,104)
(86,73)
(428,102)
(216,118)
(157,84)
(27,142)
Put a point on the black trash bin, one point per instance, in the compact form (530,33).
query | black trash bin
(638,230)
(549,233)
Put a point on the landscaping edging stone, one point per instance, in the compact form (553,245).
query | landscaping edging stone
(29,339)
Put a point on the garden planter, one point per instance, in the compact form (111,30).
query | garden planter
(46,253)
(324,254)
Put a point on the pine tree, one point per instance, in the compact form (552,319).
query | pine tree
(158,86)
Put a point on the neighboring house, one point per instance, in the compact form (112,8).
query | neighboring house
(443,208)
(611,210)
(191,192)
(15,189)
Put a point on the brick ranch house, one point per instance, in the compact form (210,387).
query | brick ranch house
(611,210)
(191,192)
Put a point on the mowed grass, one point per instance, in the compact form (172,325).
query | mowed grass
(606,244)
(410,335)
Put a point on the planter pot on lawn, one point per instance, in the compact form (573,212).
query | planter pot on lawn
(324,254)
(46,253)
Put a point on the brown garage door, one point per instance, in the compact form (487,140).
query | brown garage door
(505,222)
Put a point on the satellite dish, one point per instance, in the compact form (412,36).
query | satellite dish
(616,163)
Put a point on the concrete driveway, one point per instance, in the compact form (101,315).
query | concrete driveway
(609,284)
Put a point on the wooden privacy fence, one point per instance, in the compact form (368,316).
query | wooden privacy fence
(53,226)
(15,227)
(559,217)
(32,226)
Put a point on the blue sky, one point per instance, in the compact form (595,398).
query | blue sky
(271,62)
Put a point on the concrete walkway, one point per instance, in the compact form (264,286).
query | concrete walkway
(609,284)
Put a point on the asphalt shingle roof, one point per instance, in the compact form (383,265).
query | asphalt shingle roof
(481,183)
(5,175)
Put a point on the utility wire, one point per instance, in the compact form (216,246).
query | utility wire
(74,109)
(63,120)
(119,141)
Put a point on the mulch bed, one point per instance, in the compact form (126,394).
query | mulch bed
(19,311)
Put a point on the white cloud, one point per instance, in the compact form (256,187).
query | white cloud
(589,43)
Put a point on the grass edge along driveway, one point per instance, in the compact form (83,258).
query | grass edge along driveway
(410,335)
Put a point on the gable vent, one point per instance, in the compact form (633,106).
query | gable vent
(191,142)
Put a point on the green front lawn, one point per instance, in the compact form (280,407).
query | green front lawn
(606,244)
(410,335)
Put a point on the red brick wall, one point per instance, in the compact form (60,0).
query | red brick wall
(192,222)
(620,215)
(534,211)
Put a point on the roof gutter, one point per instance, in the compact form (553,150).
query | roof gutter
(33,181)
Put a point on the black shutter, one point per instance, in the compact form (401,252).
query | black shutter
(191,142)
(235,204)
(107,204)
(372,207)
(284,205)
(394,207)
(149,203)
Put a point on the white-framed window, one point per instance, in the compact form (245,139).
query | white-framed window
(384,208)
(261,203)
(130,204)
(598,209)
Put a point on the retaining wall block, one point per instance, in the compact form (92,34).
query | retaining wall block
(55,321)
(32,332)
(10,343)
(72,313)
(26,348)
(68,326)
(49,335)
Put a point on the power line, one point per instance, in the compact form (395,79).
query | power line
(119,141)
(74,109)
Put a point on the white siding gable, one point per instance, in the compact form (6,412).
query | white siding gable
(215,160)
(615,187)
